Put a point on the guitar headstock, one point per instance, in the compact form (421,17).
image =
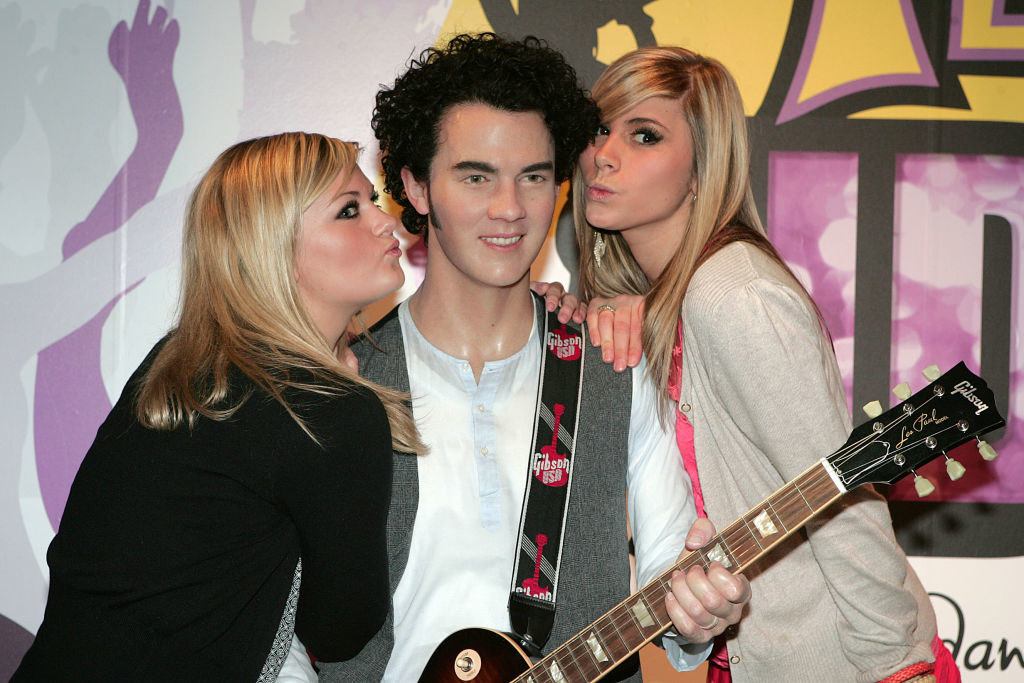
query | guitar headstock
(952,410)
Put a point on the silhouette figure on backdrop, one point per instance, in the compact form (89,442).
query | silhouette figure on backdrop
(577,23)
(70,397)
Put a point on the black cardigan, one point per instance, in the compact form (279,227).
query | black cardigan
(176,550)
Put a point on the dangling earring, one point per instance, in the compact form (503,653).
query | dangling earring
(694,195)
(599,247)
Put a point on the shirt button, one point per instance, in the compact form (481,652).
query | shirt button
(484,450)
(480,407)
(465,367)
(735,659)
(685,407)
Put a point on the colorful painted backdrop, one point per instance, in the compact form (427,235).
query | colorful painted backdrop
(889,165)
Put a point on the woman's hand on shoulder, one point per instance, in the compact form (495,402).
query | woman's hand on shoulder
(615,325)
(556,298)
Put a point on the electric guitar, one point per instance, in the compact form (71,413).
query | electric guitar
(953,409)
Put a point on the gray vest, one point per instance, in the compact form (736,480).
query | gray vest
(594,575)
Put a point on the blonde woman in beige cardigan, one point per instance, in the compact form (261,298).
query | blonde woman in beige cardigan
(664,211)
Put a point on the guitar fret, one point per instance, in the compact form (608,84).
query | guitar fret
(762,526)
(654,607)
(610,621)
(562,664)
(626,618)
(796,487)
(778,518)
(793,509)
(718,550)
(585,662)
(742,544)
(594,664)
(822,491)
(632,619)
(729,550)
(554,671)
(598,649)
(641,615)
(751,533)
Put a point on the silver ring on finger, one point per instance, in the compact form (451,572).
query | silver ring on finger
(712,625)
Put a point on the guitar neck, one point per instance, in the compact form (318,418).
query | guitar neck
(642,617)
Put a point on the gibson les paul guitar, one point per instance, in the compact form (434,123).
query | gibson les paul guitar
(953,409)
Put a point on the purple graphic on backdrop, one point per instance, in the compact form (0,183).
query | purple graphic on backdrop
(794,107)
(812,220)
(941,202)
(1000,17)
(70,397)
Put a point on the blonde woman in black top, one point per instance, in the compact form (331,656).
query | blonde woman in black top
(243,458)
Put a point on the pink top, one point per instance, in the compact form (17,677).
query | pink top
(684,439)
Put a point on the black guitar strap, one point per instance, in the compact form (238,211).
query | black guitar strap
(534,589)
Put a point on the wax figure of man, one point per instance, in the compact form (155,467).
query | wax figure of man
(475,139)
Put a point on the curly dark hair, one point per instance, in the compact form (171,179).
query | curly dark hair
(514,75)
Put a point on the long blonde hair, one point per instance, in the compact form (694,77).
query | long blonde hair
(723,209)
(240,305)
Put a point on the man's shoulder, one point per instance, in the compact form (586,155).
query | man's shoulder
(383,336)
(596,371)
(381,352)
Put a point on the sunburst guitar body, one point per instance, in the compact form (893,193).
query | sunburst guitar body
(476,654)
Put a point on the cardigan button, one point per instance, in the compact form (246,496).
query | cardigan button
(685,407)
(735,659)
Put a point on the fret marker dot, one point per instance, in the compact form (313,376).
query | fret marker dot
(717,554)
(764,524)
(642,615)
(596,648)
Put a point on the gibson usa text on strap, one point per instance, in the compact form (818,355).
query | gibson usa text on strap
(534,589)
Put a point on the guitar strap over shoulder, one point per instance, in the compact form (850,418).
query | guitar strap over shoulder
(534,588)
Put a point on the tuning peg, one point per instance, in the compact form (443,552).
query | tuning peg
(902,391)
(986,451)
(873,409)
(923,486)
(931,373)
(954,468)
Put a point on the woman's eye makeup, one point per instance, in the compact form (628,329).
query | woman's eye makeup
(647,136)
(601,130)
(350,210)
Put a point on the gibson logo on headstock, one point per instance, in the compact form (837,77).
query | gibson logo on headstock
(966,389)
(918,425)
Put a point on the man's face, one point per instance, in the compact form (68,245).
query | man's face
(490,196)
